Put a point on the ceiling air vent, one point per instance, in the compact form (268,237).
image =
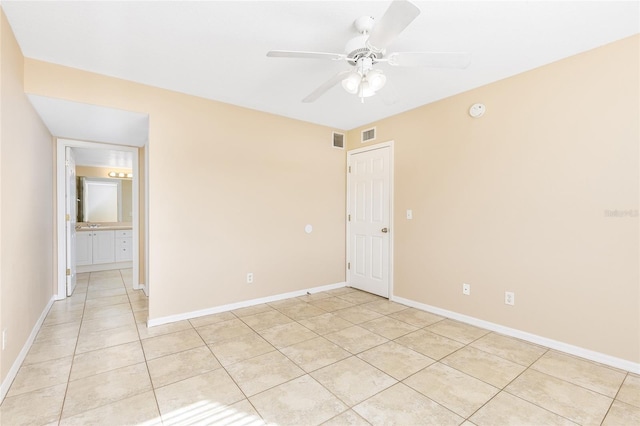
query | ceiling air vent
(368,135)
(338,140)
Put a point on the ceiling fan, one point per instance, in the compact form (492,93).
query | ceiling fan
(366,50)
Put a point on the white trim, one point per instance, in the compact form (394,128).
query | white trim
(136,219)
(609,360)
(60,210)
(238,305)
(389,144)
(13,371)
(372,147)
(145,286)
(60,221)
(391,216)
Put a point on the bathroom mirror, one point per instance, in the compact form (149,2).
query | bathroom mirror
(104,200)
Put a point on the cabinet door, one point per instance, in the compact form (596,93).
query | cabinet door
(104,247)
(84,248)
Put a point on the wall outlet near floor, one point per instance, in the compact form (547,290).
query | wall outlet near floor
(466,289)
(250,278)
(509,298)
(4,339)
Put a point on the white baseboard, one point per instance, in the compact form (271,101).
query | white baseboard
(238,305)
(612,361)
(80,269)
(6,383)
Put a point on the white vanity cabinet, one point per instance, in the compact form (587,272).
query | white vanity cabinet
(96,247)
(124,246)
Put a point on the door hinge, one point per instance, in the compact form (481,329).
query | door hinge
(349,169)
(349,265)
(66,163)
(68,272)
(67,217)
(349,217)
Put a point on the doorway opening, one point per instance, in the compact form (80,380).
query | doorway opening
(71,155)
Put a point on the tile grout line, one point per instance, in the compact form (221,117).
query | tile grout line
(305,373)
(222,366)
(106,316)
(351,355)
(562,380)
(422,369)
(577,384)
(503,389)
(73,356)
(144,354)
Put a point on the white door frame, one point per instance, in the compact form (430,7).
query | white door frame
(61,145)
(71,208)
(390,145)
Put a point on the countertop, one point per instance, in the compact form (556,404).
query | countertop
(81,227)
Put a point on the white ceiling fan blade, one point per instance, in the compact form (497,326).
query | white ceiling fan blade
(398,17)
(326,86)
(305,55)
(430,59)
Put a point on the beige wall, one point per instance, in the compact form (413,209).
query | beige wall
(516,201)
(127,186)
(127,200)
(26,206)
(99,172)
(230,192)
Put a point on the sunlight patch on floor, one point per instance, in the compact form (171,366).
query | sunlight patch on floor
(207,412)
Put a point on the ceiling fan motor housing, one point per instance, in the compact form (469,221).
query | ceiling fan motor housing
(357,48)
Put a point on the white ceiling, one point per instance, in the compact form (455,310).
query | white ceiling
(98,157)
(92,123)
(216,49)
(75,120)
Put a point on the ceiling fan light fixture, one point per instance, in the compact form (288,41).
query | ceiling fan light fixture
(376,79)
(365,90)
(352,83)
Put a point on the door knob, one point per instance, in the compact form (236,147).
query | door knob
(385,230)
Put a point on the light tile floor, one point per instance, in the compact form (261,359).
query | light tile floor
(341,357)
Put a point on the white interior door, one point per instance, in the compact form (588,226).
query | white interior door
(369,180)
(71,215)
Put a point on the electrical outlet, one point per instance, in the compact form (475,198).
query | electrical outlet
(509,298)
(4,339)
(409,214)
(250,278)
(466,289)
